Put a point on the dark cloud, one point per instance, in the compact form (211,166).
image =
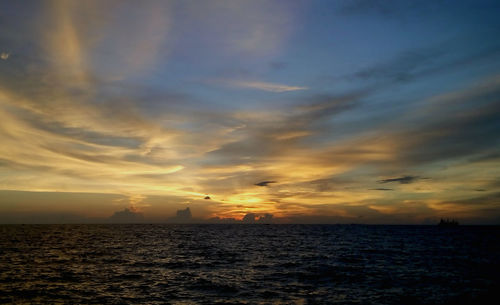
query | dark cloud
(126,216)
(264,183)
(381,189)
(402,180)
(255,218)
(207,198)
(184,214)
(249,218)
(266,218)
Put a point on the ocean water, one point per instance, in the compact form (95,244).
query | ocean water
(248,264)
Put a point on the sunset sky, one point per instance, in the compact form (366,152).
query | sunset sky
(359,111)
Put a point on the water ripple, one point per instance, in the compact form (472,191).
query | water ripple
(247,264)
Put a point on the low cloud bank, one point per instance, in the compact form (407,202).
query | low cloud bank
(126,216)
(250,218)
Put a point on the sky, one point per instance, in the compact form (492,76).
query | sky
(311,111)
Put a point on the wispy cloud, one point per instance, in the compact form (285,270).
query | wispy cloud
(78,50)
(402,180)
(258,85)
(264,183)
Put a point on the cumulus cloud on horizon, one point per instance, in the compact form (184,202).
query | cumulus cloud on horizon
(126,216)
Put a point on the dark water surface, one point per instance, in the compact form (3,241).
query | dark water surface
(248,264)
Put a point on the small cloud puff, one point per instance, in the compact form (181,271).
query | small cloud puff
(402,180)
(264,183)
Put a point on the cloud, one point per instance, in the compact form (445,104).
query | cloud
(249,218)
(184,214)
(68,133)
(207,198)
(266,218)
(258,85)
(259,152)
(381,189)
(489,200)
(264,183)
(402,180)
(313,110)
(455,125)
(414,64)
(79,48)
(280,133)
(126,216)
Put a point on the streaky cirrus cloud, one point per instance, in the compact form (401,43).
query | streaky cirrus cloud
(402,180)
(259,85)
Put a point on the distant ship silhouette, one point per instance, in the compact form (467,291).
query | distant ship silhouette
(448,223)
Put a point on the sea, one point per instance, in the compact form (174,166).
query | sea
(248,264)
